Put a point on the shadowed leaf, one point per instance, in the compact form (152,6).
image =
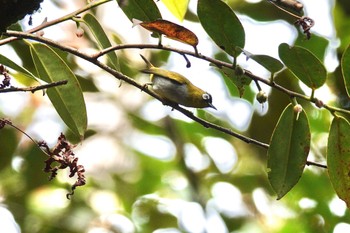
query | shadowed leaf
(144,10)
(222,25)
(345,67)
(288,151)
(304,65)
(102,39)
(338,158)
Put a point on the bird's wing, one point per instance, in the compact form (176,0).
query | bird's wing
(170,75)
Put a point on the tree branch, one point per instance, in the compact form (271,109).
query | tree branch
(93,59)
(219,63)
(34,88)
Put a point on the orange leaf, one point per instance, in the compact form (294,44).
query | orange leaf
(172,31)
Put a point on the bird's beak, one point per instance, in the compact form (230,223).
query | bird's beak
(211,106)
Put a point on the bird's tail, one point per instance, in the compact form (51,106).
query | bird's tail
(148,63)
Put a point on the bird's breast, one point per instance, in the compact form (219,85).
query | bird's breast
(170,90)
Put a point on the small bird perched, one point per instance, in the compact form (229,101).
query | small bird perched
(174,87)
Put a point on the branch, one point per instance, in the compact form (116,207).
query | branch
(93,59)
(34,88)
(219,63)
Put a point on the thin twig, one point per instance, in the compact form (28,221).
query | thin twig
(34,88)
(9,123)
(69,16)
(309,163)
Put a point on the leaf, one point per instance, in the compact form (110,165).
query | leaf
(102,39)
(9,63)
(271,64)
(222,25)
(317,47)
(345,68)
(177,7)
(338,158)
(144,10)
(304,65)
(172,31)
(240,81)
(8,142)
(288,150)
(68,99)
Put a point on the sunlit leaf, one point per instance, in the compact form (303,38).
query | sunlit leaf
(304,65)
(144,10)
(172,30)
(338,157)
(345,67)
(67,99)
(102,39)
(9,63)
(177,7)
(222,25)
(288,151)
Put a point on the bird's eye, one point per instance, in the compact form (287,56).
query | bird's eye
(206,96)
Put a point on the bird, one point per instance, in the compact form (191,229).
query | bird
(174,87)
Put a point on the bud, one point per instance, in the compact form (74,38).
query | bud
(297,109)
(239,71)
(319,103)
(79,33)
(40,33)
(261,97)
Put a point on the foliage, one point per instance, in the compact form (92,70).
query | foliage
(149,167)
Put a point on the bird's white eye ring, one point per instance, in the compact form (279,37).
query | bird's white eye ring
(206,96)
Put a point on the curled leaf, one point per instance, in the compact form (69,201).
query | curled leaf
(170,30)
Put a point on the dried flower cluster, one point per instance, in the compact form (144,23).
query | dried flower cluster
(63,154)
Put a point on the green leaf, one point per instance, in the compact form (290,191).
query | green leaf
(222,25)
(240,81)
(67,99)
(144,10)
(338,158)
(345,67)
(8,142)
(9,63)
(177,7)
(304,65)
(317,47)
(102,39)
(271,64)
(288,150)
